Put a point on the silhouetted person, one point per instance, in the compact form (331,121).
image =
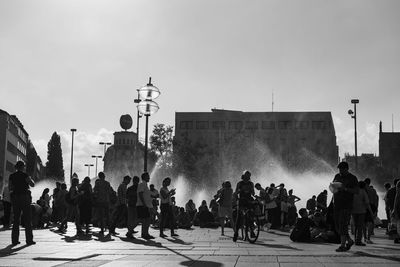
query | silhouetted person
(245,192)
(322,201)
(131,195)
(343,204)
(72,199)
(396,212)
(225,195)
(302,229)
(102,191)
(190,208)
(19,183)
(143,205)
(361,206)
(311,205)
(292,209)
(121,210)
(387,209)
(166,215)
(85,203)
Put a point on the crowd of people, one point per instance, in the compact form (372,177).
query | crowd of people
(354,203)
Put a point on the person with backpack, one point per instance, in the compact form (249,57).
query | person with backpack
(102,191)
(225,210)
(72,199)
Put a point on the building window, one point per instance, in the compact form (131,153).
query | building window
(235,125)
(318,125)
(268,125)
(218,125)
(200,125)
(251,124)
(11,148)
(285,125)
(10,167)
(301,125)
(186,125)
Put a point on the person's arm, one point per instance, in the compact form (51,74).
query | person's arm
(30,181)
(296,198)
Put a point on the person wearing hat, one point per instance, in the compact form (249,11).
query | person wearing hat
(19,183)
(343,204)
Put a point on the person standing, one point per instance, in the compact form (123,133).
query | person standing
(166,216)
(225,210)
(131,195)
(292,209)
(121,210)
(143,205)
(396,211)
(72,199)
(102,191)
(19,183)
(85,203)
(343,204)
(361,206)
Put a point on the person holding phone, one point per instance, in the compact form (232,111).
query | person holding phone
(167,216)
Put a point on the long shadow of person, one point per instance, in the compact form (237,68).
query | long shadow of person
(10,250)
(178,241)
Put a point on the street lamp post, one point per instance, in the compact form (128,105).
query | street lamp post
(89,165)
(96,157)
(72,154)
(147,107)
(353,115)
(105,146)
(137,101)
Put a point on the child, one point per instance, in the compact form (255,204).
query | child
(301,231)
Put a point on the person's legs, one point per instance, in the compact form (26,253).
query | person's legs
(132,220)
(17,209)
(163,217)
(26,210)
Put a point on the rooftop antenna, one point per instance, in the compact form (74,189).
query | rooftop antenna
(272,100)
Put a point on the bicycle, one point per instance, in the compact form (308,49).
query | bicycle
(251,222)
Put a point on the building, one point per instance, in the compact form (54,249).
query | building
(13,145)
(297,140)
(389,151)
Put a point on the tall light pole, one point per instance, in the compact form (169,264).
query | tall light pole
(137,101)
(147,107)
(96,157)
(72,154)
(353,115)
(89,165)
(105,144)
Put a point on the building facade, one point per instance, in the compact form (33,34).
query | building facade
(294,139)
(13,145)
(389,151)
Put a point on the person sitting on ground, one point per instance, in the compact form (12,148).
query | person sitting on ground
(190,208)
(302,229)
(183,219)
(322,201)
(214,207)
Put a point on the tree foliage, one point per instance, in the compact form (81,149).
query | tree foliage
(161,139)
(31,156)
(54,164)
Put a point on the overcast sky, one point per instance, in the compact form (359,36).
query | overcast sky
(77,64)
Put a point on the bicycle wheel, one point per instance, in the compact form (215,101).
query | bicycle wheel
(252,228)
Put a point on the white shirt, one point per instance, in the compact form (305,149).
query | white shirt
(142,187)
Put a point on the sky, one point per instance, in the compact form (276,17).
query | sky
(77,64)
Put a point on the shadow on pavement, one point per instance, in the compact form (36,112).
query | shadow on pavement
(9,250)
(277,246)
(102,238)
(365,254)
(201,263)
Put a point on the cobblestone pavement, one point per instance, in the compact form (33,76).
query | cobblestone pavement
(197,247)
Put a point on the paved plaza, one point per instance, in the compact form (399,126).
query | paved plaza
(197,247)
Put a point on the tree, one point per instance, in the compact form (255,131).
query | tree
(161,139)
(31,156)
(161,144)
(54,164)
